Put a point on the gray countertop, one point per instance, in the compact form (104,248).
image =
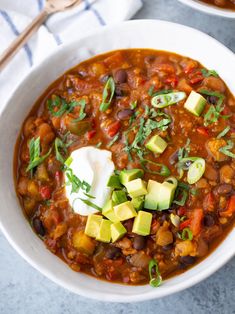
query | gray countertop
(24,290)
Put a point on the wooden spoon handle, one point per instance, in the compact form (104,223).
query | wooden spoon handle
(19,42)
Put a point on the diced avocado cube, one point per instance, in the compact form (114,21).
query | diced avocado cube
(138,202)
(142,223)
(167,192)
(156,144)
(136,188)
(104,233)
(117,231)
(93,225)
(119,197)
(125,211)
(114,182)
(195,103)
(129,175)
(153,195)
(108,211)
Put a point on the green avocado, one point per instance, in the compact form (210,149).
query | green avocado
(114,182)
(136,188)
(104,233)
(167,192)
(93,225)
(119,197)
(108,211)
(125,211)
(138,202)
(195,103)
(117,231)
(129,175)
(153,195)
(156,144)
(142,223)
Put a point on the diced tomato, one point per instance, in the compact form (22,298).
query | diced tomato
(203,131)
(209,202)
(185,224)
(114,128)
(172,80)
(196,221)
(45,192)
(230,209)
(91,134)
(196,79)
(226,111)
(181,211)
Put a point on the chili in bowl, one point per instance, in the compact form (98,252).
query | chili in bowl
(124,168)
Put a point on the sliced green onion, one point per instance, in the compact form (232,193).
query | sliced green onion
(163,171)
(172,180)
(196,171)
(226,149)
(187,234)
(156,280)
(68,161)
(89,203)
(224,132)
(108,94)
(182,164)
(113,140)
(165,100)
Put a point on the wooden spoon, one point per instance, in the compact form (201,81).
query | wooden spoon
(51,6)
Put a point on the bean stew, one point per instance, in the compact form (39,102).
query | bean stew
(224,4)
(162,128)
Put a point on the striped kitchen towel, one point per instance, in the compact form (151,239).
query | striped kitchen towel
(58,29)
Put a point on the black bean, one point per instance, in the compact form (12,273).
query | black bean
(212,99)
(188,260)
(125,114)
(70,91)
(224,189)
(208,220)
(163,217)
(38,226)
(119,92)
(168,247)
(113,252)
(139,242)
(120,76)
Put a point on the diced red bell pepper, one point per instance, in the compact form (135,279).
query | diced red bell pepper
(181,211)
(184,224)
(172,80)
(203,131)
(196,221)
(45,192)
(91,134)
(230,209)
(196,79)
(114,128)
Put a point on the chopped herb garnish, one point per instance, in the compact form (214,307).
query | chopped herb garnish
(98,144)
(213,114)
(184,151)
(163,171)
(207,73)
(224,132)
(88,195)
(154,274)
(226,150)
(113,140)
(181,194)
(61,105)
(89,203)
(60,145)
(108,94)
(187,234)
(216,94)
(133,104)
(82,114)
(76,183)
(34,154)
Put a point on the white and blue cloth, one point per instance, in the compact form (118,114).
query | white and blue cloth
(59,28)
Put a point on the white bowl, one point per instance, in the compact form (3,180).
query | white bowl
(143,34)
(210,9)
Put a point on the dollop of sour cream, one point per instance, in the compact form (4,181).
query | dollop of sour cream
(94,166)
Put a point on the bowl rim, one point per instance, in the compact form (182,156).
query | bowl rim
(209,9)
(99,295)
